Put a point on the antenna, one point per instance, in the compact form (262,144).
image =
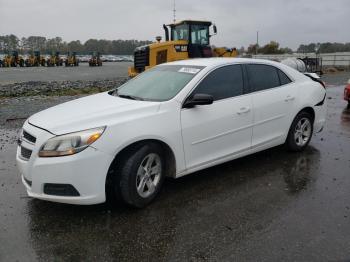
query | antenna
(174,12)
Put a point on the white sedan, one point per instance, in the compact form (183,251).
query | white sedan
(171,120)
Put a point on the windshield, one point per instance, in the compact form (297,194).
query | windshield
(180,32)
(158,84)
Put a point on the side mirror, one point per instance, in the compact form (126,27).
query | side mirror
(198,99)
(215,30)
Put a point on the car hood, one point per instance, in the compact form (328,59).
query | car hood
(89,112)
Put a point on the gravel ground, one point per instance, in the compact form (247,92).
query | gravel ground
(270,206)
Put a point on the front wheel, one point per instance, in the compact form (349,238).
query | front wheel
(141,175)
(300,132)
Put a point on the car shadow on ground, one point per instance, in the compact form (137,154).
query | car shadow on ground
(234,191)
(203,185)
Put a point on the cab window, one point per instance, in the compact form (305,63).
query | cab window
(180,32)
(224,82)
(200,34)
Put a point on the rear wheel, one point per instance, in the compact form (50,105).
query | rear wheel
(141,175)
(300,132)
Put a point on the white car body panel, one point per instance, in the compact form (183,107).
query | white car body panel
(199,137)
(217,130)
(273,111)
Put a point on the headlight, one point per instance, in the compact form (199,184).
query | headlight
(70,144)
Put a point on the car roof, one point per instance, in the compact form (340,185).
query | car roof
(217,61)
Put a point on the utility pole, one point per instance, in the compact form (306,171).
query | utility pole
(257,42)
(174,12)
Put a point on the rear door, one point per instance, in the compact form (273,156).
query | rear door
(273,98)
(212,132)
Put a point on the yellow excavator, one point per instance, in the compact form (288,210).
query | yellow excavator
(71,59)
(187,39)
(35,59)
(54,60)
(95,59)
(13,60)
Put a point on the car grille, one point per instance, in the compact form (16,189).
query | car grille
(25,153)
(29,137)
(141,59)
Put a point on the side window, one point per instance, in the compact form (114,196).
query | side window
(284,79)
(222,83)
(262,77)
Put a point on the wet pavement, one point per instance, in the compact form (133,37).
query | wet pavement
(110,70)
(270,206)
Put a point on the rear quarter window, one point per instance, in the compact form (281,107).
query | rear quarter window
(284,79)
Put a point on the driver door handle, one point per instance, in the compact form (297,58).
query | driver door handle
(243,110)
(289,98)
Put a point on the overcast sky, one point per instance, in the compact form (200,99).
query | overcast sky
(289,22)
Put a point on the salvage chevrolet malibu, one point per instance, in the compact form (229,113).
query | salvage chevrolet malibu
(171,120)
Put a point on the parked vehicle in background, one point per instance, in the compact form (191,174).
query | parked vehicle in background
(95,59)
(172,120)
(35,59)
(83,58)
(71,59)
(347,93)
(13,60)
(54,59)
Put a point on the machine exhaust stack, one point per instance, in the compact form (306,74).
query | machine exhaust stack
(166,32)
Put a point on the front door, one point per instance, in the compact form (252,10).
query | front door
(222,129)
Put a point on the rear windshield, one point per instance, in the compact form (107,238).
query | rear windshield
(158,84)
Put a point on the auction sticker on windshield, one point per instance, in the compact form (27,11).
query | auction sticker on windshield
(189,70)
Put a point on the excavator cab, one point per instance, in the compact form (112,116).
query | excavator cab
(183,40)
(196,33)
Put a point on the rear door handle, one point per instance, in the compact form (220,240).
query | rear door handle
(243,110)
(289,98)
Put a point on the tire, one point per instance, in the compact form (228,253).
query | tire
(133,182)
(300,132)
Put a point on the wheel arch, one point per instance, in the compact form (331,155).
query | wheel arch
(309,110)
(170,160)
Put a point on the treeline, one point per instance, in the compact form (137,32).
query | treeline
(274,48)
(324,48)
(271,48)
(45,45)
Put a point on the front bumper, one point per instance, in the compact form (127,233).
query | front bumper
(85,171)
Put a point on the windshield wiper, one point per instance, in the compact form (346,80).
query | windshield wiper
(127,96)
